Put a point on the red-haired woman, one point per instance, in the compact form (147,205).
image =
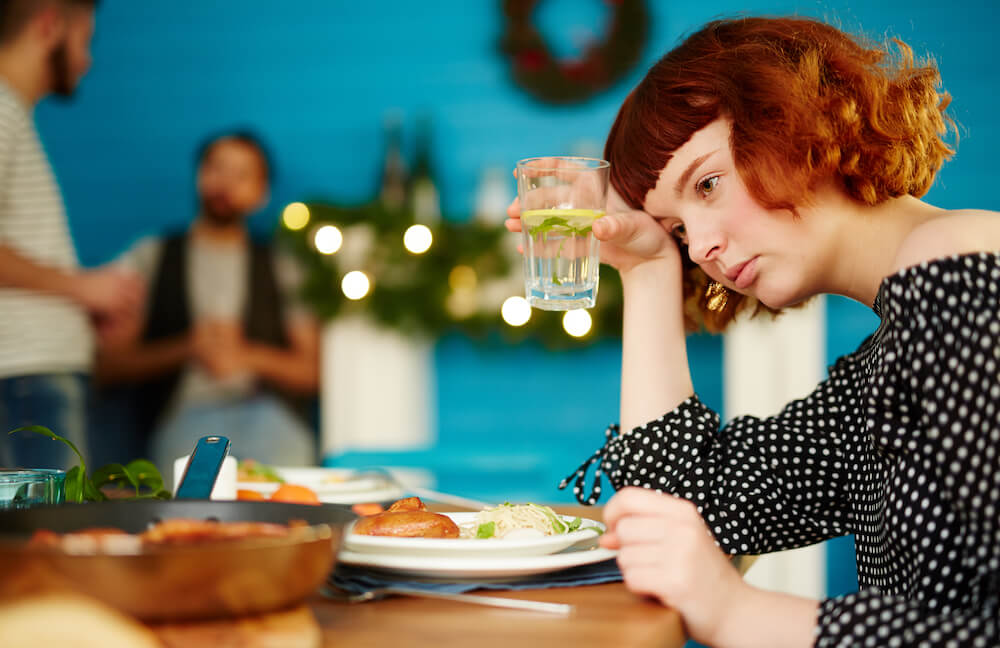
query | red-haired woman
(761,162)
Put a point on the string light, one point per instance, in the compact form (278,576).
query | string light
(295,216)
(355,285)
(417,239)
(577,322)
(516,311)
(328,239)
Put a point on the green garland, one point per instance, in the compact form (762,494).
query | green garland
(538,71)
(410,292)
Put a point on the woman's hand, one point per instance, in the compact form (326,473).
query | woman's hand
(628,237)
(666,551)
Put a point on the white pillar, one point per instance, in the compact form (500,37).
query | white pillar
(766,364)
(377,388)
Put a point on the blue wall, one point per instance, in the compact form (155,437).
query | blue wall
(315,77)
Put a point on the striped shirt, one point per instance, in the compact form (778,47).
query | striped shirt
(38,333)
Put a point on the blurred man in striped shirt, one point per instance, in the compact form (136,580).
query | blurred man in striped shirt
(49,306)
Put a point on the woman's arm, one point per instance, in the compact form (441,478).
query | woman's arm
(655,373)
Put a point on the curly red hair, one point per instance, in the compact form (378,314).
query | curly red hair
(808,103)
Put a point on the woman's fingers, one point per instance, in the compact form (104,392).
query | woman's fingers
(642,501)
(514,208)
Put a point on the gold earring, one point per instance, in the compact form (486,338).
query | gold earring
(716,296)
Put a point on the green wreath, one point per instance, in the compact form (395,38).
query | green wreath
(554,81)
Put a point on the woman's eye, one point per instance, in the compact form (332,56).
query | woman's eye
(707,186)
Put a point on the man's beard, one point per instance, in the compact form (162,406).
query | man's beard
(63,83)
(219,212)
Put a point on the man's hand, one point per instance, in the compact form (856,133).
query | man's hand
(109,293)
(220,347)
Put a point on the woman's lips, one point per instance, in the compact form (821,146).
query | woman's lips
(744,274)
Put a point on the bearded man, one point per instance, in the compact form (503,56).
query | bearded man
(49,306)
(225,346)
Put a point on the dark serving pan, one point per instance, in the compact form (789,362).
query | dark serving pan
(185,581)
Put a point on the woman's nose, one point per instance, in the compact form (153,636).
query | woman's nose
(705,244)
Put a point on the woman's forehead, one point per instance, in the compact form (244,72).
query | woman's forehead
(705,144)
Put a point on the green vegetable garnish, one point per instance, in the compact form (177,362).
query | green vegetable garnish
(137,474)
(486,530)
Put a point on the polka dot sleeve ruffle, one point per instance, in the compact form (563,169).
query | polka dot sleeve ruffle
(871,619)
(761,484)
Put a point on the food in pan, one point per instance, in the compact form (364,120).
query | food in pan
(407,518)
(176,531)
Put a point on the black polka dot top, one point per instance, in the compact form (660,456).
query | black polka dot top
(900,446)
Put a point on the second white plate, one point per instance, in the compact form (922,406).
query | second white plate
(475,568)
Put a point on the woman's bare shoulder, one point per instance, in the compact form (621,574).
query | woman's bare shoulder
(958,231)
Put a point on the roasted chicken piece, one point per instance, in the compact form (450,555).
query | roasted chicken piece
(407,504)
(407,524)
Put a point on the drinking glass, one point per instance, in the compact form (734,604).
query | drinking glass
(26,487)
(560,198)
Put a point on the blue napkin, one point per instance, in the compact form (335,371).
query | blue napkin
(359,579)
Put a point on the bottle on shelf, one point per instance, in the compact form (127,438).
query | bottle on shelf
(393,181)
(423,195)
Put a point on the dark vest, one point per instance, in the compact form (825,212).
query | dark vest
(169,315)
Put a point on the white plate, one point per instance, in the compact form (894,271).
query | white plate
(473,548)
(466,568)
(346,486)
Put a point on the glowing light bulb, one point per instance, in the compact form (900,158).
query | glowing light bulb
(295,216)
(355,285)
(516,311)
(328,239)
(417,239)
(577,322)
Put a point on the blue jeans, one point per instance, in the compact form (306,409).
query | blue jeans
(55,401)
(260,428)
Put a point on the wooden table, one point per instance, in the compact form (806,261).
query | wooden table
(605,615)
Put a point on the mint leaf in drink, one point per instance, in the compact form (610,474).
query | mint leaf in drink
(547,225)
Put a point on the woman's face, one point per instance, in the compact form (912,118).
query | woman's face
(701,199)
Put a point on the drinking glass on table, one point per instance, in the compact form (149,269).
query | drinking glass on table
(27,487)
(560,198)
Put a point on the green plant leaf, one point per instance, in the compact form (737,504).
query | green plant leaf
(75,479)
(44,431)
(146,474)
(115,474)
(91,493)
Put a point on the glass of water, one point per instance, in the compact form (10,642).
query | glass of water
(560,198)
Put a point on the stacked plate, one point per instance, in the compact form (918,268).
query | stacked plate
(475,559)
(332,485)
